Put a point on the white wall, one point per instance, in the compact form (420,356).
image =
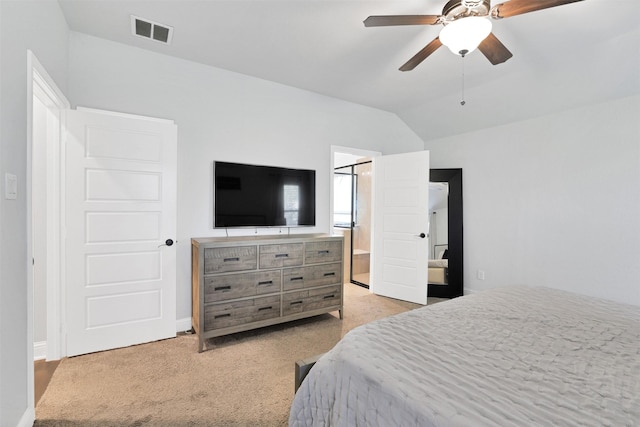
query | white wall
(39,26)
(226,116)
(553,201)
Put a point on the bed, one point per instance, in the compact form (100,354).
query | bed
(513,356)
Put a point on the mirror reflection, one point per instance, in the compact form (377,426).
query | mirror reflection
(438,233)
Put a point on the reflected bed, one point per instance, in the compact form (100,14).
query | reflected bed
(438,271)
(439,268)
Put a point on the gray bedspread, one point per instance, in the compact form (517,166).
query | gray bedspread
(512,356)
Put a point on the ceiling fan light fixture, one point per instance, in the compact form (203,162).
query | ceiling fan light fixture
(463,35)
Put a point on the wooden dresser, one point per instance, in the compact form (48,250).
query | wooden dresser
(242,283)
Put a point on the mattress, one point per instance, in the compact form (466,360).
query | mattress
(505,357)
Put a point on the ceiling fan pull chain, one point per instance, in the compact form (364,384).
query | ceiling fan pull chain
(462,102)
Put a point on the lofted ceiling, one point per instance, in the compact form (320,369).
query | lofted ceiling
(564,57)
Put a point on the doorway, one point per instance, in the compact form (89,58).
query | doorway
(352,211)
(396,246)
(346,210)
(124,159)
(45,114)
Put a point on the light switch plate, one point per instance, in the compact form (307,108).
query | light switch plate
(10,186)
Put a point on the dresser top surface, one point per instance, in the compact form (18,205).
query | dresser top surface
(263,239)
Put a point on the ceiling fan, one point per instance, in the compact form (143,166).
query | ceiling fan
(465,26)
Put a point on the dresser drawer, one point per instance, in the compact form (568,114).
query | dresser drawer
(217,316)
(230,286)
(316,275)
(312,299)
(287,255)
(324,251)
(220,260)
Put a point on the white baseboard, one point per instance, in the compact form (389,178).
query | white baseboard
(28,418)
(183,324)
(40,348)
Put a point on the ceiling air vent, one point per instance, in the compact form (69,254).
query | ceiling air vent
(151,30)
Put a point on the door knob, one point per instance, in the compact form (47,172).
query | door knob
(168,242)
(422,235)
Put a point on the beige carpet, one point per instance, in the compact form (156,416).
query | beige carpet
(243,379)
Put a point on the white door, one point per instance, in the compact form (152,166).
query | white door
(120,210)
(400,224)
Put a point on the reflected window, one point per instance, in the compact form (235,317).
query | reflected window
(291,204)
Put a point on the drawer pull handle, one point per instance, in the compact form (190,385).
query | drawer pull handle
(222,288)
(282,255)
(329,274)
(231,259)
(267,282)
(295,302)
(323,252)
(296,278)
(265,308)
(329,296)
(222,315)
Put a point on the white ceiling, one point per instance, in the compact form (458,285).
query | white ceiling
(563,57)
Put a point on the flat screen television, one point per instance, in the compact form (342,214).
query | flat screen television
(263,196)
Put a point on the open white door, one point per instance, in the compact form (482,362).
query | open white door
(120,212)
(400,226)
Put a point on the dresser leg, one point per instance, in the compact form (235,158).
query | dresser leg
(340,312)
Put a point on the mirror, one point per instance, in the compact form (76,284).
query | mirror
(445,233)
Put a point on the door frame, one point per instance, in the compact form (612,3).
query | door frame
(40,84)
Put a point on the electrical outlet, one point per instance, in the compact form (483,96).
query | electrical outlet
(480,274)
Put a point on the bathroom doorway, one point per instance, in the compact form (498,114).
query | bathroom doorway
(352,212)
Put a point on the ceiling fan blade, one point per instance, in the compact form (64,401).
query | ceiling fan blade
(494,50)
(518,7)
(422,55)
(387,20)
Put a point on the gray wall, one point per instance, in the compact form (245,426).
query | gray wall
(553,201)
(226,116)
(39,26)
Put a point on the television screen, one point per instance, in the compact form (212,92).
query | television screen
(263,196)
